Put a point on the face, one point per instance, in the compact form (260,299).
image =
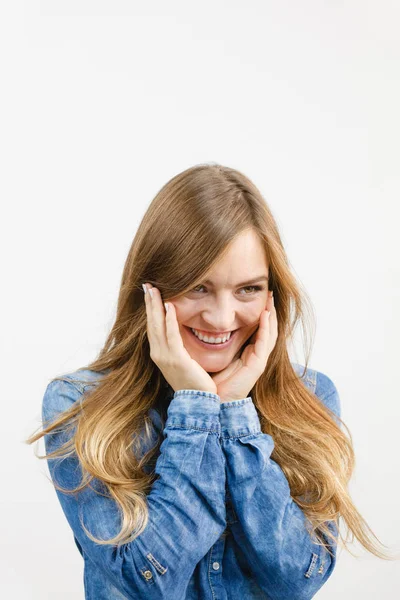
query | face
(225,302)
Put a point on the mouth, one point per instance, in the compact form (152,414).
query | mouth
(209,346)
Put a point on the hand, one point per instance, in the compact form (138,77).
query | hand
(167,350)
(239,377)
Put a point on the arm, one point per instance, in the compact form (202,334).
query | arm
(186,506)
(267,524)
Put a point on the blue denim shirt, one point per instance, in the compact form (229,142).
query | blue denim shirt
(215,476)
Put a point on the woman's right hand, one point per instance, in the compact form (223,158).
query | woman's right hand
(167,350)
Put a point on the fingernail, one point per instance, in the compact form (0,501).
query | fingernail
(166,306)
(151,292)
(144,288)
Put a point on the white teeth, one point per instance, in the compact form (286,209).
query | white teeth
(211,340)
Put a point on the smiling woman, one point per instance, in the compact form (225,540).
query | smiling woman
(189,465)
(223,307)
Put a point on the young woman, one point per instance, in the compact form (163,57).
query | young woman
(192,458)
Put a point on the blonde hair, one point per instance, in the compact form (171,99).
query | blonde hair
(187,227)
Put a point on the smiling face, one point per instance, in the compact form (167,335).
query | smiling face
(225,301)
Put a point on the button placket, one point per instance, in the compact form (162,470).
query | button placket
(215,563)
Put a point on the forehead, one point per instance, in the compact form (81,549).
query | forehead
(243,260)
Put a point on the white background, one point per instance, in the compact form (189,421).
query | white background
(101,104)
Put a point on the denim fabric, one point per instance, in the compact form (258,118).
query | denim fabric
(222,524)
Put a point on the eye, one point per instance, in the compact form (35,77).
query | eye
(257,288)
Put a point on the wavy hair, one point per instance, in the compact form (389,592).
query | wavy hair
(185,230)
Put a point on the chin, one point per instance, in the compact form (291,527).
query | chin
(216,370)
(216,365)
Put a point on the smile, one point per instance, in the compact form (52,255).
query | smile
(212,346)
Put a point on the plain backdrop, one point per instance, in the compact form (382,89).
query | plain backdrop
(102,102)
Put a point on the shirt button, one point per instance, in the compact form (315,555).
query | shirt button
(148,574)
(216,566)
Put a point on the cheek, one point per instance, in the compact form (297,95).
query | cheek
(180,309)
(248,315)
(184,315)
(184,308)
(252,316)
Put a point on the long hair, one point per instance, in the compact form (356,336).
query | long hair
(185,230)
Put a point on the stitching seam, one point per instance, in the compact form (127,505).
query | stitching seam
(312,565)
(156,564)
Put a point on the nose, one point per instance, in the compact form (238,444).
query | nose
(219,319)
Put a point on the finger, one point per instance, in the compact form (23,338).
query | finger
(173,334)
(155,320)
(263,335)
(273,320)
(149,316)
(270,303)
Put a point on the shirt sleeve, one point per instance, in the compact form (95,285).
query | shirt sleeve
(186,506)
(266,523)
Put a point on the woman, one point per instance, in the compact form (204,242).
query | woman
(192,459)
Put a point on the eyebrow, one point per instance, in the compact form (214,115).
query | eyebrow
(254,280)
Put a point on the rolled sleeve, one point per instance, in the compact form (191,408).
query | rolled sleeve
(239,418)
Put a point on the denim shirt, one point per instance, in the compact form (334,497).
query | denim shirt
(222,524)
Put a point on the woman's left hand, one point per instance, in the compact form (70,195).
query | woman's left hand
(239,377)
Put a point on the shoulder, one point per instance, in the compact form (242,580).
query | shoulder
(64,390)
(308,376)
(322,386)
(327,392)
